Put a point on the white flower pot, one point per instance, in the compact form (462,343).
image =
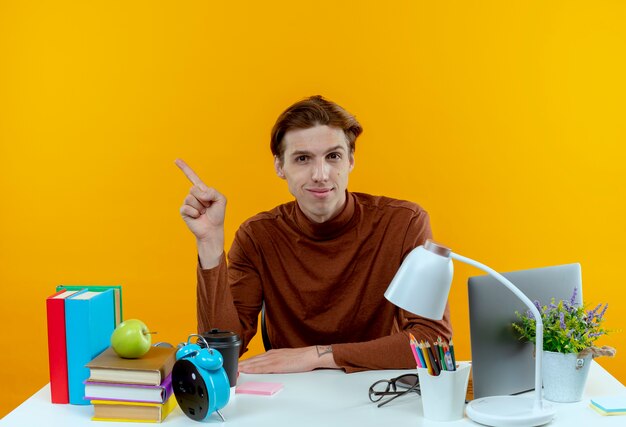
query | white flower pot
(564,376)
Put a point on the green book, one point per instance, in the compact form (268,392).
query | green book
(117,296)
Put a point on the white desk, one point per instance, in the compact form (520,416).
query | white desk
(320,398)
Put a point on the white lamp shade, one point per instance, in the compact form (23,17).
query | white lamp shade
(422,284)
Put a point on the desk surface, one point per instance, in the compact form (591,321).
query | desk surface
(323,398)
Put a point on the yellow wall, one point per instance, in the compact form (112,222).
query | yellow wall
(505,120)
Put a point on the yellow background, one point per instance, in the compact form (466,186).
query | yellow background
(505,120)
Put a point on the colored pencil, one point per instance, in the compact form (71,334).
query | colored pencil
(433,360)
(420,353)
(427,359)
(442,358)
(420,356)
(450,366)
(452,353)
(415,356)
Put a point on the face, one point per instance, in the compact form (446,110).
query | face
(316,164)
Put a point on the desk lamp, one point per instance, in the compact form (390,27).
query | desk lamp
(421,286)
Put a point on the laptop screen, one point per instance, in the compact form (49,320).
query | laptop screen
(501,363)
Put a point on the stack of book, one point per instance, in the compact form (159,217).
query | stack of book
(131,389)
(81,320)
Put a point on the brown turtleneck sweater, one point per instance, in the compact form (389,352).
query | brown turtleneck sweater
(323,283)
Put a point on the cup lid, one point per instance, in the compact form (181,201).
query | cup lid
(215,336)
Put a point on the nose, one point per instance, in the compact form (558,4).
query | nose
(320,171)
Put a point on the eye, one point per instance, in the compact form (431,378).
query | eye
(334,156)
(302,159)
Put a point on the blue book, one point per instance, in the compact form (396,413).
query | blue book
(88,329)
(117,296)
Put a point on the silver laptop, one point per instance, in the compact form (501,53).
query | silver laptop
(501,364)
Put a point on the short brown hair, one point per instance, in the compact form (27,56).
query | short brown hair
(310,112)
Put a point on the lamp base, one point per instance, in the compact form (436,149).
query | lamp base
(509,411)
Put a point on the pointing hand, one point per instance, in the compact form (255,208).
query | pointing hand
(203,211)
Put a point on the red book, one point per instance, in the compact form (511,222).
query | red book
(57,352)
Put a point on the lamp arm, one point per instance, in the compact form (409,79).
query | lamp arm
(533,310)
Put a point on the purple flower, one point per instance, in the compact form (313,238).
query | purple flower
(572,300)
(562,320)
(603,311)
(594,311)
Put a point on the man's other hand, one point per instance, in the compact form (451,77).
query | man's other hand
(287,360)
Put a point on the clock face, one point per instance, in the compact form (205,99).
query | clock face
(190,390)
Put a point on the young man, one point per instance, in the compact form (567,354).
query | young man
(321,263)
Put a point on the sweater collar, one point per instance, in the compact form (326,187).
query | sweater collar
(331,228)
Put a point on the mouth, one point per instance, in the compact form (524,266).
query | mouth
(320,193)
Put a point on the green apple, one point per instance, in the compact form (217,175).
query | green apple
(131,339)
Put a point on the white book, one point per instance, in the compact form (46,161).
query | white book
(95,390)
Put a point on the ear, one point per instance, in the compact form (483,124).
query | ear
(351,161)
(278,166)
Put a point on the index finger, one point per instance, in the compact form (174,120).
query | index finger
(189,173)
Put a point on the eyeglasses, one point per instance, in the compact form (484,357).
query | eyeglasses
(395,387)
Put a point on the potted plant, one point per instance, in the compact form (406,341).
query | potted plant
(569,335)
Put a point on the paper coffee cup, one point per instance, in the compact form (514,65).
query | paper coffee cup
(228,344)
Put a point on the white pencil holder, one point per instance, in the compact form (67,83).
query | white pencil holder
(443,396)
